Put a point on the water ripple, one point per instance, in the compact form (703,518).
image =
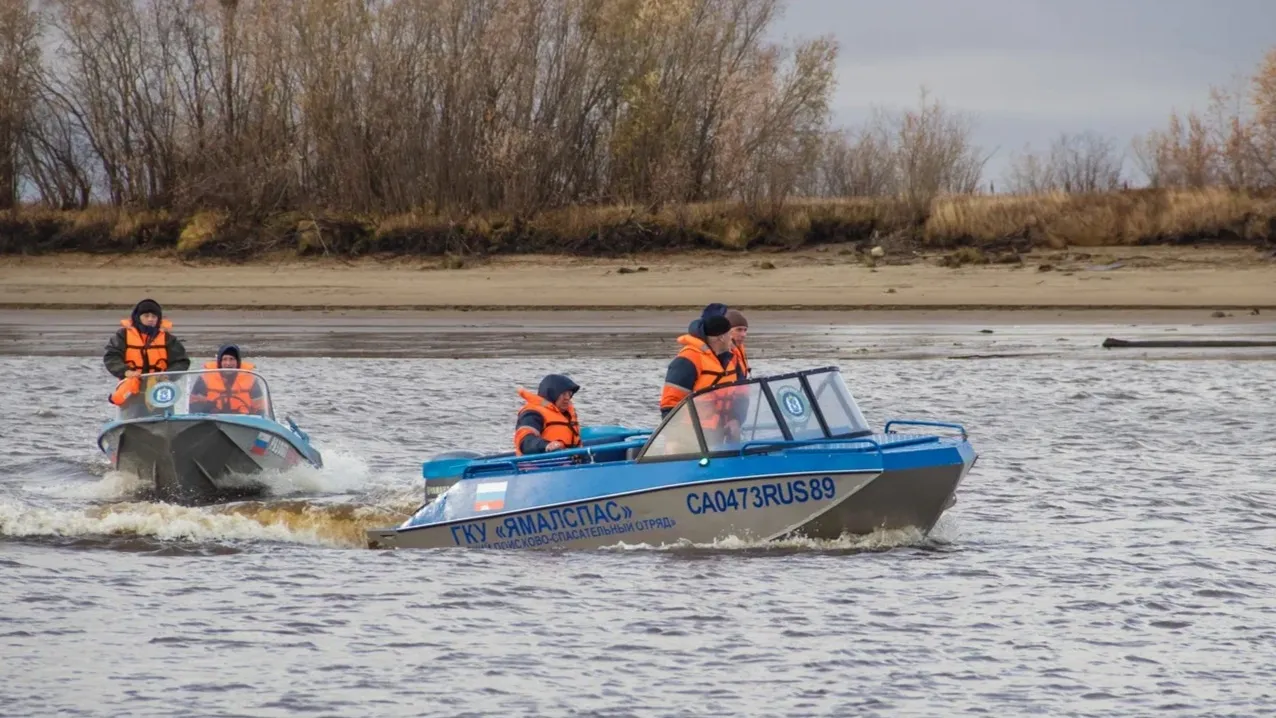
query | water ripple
(1112,553)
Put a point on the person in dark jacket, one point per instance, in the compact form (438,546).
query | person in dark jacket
(704,361)
(144,344)
(696,327)
(547,422)
(739,330)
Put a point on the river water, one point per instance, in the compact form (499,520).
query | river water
(1112,553)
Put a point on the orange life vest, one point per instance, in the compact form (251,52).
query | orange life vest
(126,388)
(558,426)
(741,360)
(709,372)
(141,354)
(237,399)
(146,355)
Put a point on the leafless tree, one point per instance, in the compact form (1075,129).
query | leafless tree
(1259,136)
(913,156)
(391,105)
(19,68)
(1085,162)
(1031,173)
(1233,144)
(935,155)
(857,163)
(1148,152)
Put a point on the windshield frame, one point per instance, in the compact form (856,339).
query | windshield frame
(184,380)
(688,404)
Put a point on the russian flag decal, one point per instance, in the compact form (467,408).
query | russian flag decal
(490,496)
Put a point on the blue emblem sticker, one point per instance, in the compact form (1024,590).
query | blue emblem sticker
(163,395)
(793,403)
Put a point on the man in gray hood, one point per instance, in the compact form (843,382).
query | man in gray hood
(547,422)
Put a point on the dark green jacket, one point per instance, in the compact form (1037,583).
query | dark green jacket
(113,358)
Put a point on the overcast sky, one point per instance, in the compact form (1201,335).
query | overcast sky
(1030,69)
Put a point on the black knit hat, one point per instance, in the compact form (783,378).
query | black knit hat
(148,306)
(716,326)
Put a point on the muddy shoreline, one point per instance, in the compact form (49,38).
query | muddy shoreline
(821,336)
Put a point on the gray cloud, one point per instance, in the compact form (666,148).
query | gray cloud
(1029,69)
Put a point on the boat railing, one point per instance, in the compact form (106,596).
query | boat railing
(182,382)
(935,424)
(564,457)
(865,444)
(296,429)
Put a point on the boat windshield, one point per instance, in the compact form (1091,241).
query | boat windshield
(803,406)
(203,392)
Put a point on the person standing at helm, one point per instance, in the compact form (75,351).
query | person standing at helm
(701,363)
(696,327)
(739,330)
(547,422)
(227,391)
(144,344)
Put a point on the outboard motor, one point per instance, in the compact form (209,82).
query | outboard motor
(444,470)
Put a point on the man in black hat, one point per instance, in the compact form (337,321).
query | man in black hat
(229,391)
(696,328)
(144,344)
(701,363)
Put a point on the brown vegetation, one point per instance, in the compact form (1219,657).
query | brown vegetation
(259,106)
(348,127)
(998,225)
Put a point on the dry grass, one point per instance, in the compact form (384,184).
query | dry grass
(991,223)
(1115,218)
(200,229)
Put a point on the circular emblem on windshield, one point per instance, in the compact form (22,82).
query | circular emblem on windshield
(793,403)
(163,395)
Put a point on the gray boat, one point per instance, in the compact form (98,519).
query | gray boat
(190,449)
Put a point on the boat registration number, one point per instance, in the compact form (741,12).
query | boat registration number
(761,496)
(278,447)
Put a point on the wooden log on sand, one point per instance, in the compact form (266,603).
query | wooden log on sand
(1111,343)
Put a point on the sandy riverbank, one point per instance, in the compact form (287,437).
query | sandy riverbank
(1106,279)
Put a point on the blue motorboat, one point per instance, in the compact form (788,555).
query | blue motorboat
(765,459)
(192,449)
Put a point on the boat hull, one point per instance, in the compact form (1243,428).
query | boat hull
(201,460)
(818,493)
(757,508)
(912,498)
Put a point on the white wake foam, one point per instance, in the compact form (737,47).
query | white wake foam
(291,522)
(160,521)
(876,541)
(113,485)
(342,473)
